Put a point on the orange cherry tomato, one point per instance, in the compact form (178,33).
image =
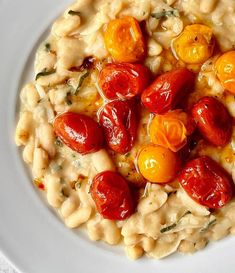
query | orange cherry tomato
(225,67)
(171,130)
(157,164)
(195,44)
(123,80)
(79,132)
(112,196)
(124,40)
(207,182)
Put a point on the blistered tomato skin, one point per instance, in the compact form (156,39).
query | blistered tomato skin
(167,90)
(119,120)
(112,196)
(225,68)
(213,121)
(79,132)
(206,182)
(123,80)
(157,164)
(195,44)
(124,40)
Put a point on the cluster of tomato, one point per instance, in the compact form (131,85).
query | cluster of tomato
(126,80)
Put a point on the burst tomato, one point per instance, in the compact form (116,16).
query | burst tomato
(124,40)
(167,90)
(195,44)
(171,129)
(206,182)
(119,121)
(123,80)
(112,196)
(81,133)
(158,164)
(213,121)
(225,68)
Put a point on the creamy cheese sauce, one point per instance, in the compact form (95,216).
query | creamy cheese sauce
(162,223)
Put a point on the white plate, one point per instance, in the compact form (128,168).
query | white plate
(31,235)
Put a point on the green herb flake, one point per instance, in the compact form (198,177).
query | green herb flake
(211,223)
(165,13)
(170,227)
(78,185)
(68,98)
(58,142)
(73,12)
(65,192)
(82,78)
(48,47)
(45,72)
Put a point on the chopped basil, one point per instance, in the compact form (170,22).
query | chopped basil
(78,185)
(45,72)
(58,142)
(73,12)
(170,227)
(48,47)
(211,223)
(65,191)
(68,98)
(166,13)
(82,78)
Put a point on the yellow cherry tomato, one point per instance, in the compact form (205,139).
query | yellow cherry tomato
(169,130)
(195,44)
(157,164)
(124,40)
(225,68)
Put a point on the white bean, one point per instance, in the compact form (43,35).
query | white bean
(69,205)
(78,217)
(112,234)
(28,151)
(207,6)
(29,95)
(134,252)
(64,26)
(54,191)
(102,161)
(40,162)
(23,129)
(154,48)
(47,138)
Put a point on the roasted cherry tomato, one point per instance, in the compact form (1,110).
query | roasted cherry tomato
(213,121)
(206,182)
(225,67)
(123,80)
(171,129)
(112,195)
(124,40)
(119,121)
(195,44)
(157,164)
(81,133)
(167,90)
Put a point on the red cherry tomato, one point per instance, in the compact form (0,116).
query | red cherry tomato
(81,133)
(207,182)
(112,196)
(167,90)
(119,121)
(213,121)
(123,80)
